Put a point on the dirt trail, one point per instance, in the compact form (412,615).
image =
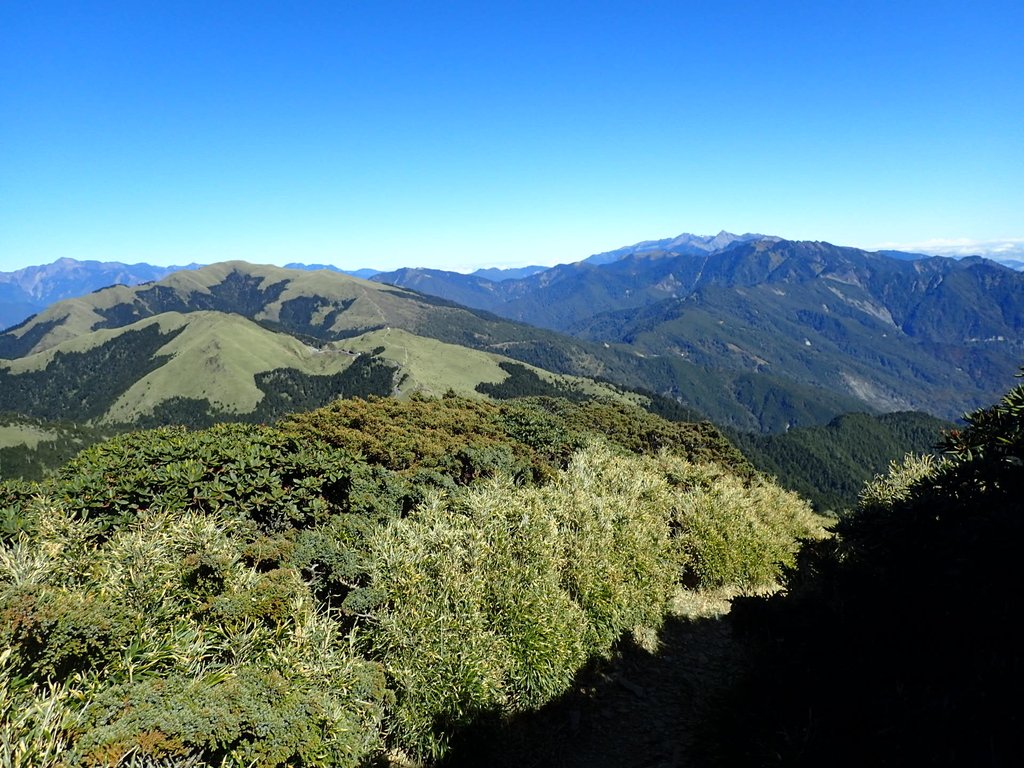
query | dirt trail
(640,710)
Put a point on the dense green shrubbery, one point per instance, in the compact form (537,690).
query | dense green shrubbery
(375,576)
(891,645)
(159,639)
(186,576)
(734,532)
(253,472)
(458,437)
(536,578)
(495,596)
(640,431)
(529,438)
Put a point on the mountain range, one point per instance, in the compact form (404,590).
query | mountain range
(235,339)
(32,289)
(934,334)
(756,332)
(24,292)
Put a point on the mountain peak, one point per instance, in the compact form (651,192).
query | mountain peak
(685,244)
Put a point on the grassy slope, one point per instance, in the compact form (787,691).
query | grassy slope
(366,305)
(371,304)
(434,367)
(29,435)
(75,337)
(357,305)
(215,357)
(77,316)
(332,307)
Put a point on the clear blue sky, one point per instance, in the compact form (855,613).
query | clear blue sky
(462,134)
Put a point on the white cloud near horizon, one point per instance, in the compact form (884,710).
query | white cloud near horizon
(960,246)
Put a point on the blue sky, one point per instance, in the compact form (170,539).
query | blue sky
(458,135)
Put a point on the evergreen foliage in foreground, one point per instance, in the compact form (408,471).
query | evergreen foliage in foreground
(250,596)
(893,645)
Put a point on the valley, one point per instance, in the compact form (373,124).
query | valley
(465,385)
(244,509)
(757,333)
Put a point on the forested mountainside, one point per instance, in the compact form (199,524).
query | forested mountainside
(330,311)
(935,334)
(830,464)
(31,448)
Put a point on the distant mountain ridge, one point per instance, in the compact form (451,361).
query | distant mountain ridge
(475,289)
(364,273)
(684,244)
(757,332)
(565,296)
(260,341)
(24,292)
(498,274)
(27,291)
(893,331)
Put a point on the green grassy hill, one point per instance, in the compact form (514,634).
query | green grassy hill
(120,375)
(323,307)
(230,366)
(207,354)
(297,300)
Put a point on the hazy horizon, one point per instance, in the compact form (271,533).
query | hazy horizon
(1008,250)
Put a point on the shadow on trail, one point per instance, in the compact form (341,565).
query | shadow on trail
(895,647)
(893,644)
(640,709)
